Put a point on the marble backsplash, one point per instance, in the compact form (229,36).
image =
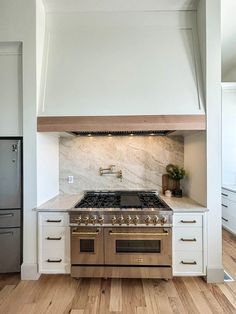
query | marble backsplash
(141,159)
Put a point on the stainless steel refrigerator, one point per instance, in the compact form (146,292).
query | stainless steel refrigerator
(10,204)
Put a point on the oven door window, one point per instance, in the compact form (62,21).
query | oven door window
(86,245)
(138,246)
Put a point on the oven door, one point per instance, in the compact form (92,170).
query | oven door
(86,246)
(138,246)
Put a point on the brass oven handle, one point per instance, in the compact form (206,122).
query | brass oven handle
(188,263)
(85,232)
(188,240)
(188,221)
(140,233)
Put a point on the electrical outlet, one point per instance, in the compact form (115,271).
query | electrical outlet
(70,179)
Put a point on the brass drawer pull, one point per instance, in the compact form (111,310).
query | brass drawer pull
(188,240)
(189,263)
(54,260)
(188,221)
(224,205)
(49,238)
(224,194)
(85,232)
(52,220)
(225,219)
(166,233)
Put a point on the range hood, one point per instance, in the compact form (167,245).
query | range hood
(121,125)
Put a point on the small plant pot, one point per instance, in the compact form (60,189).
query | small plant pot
(178,193)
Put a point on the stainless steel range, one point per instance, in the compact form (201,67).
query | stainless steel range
(121,234)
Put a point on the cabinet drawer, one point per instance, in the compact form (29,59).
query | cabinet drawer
(228,221)
(54,219)
(54,268)
(228,194)
(10,218)
(188,263)
(187,239)
(187,220)
(228,205)
(55,239)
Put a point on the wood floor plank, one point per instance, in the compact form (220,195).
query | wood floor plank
(116,296)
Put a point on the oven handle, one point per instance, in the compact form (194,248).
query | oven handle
(85,232)
(165,233)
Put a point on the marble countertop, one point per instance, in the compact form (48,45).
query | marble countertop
(230,187)
(65,202)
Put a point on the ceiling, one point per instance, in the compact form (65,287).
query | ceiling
(228,40)
(118,5)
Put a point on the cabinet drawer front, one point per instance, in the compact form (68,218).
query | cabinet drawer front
(187,220)
(228,220)
(187,239)
(10,218)
(228,194)
(228,205)
(55,239)
(54,219)
(54,268)
(188,262)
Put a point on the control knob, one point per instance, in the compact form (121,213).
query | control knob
(120,220)
(93,219)
(163,220)
(78,220)
(136,220)
(113,220)
(147,220)
(86,219)
(155,219)
(101,220)
(128,220)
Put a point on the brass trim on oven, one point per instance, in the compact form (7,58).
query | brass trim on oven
(166,233)
(85,232)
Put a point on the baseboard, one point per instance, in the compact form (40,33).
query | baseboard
(214,275)
(29,271)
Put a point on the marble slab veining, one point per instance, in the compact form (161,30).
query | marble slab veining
(142,160)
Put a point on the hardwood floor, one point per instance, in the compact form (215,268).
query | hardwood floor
(63,294)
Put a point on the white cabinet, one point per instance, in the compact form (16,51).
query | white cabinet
(53,243)
(189,244)
(229,210)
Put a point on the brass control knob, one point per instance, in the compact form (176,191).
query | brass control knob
(163,220)
(78,220)
(86,219)
(120,220)
(101,220)
(155,219)
(148,220)
(93,219)
(136,220)
(128,220)
(113,220)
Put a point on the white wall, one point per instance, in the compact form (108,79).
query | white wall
(47,167)
(121,63)
(17,23)
(229,134)
(11,102)
(195,165)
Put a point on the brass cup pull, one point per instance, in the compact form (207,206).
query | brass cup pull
(189,263)
(57,239)
(82,233)
(52,220)
(54,260)
(188,240)
(158,234)
(188,221)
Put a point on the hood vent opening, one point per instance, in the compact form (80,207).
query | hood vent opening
(122,133)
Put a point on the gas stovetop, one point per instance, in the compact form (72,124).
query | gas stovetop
(120,208)
(121,200)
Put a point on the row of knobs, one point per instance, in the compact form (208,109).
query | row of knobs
(120,220)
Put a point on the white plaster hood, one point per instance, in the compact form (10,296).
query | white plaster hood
(121,62)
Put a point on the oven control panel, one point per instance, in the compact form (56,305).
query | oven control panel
(117,219)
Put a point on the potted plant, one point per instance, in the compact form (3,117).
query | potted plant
(176,173)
